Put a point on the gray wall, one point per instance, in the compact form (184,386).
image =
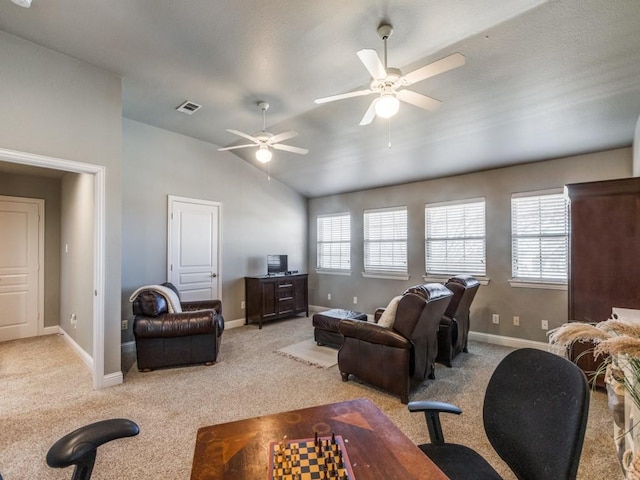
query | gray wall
(496,186)
(48,189)
(58,106)
(76,264)
(259,216)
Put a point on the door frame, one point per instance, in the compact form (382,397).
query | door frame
(99,201)
(40,330)
(210,203)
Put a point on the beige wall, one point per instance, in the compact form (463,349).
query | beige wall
(496,186)
(57,106)
(259,216)
(47,189)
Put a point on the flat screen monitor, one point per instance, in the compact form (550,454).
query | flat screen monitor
(277,264)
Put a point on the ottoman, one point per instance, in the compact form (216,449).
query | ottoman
(326,325)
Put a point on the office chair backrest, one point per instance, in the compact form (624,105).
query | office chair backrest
(535,414)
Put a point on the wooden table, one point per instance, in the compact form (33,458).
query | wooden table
(376,447)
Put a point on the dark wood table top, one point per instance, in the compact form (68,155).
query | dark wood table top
(376,447)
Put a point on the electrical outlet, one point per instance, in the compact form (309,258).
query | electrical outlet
(328,296)
(495,318)
(124,324)
(73,320)
(516,321)
(544,324)
(355,300)
(242,305)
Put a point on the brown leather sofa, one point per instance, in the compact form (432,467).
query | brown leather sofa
(166,339)
(399,358)
(454,325)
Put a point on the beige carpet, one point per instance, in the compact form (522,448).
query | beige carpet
(311,353)
(45,392)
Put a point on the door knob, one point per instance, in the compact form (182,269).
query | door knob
(214,275)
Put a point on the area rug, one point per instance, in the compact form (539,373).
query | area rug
(309,352)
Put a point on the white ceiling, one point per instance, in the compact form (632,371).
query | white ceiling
(543,79)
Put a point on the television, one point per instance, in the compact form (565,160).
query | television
(277,264)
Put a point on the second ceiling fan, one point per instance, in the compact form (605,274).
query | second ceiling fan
(388,82)
(263,140)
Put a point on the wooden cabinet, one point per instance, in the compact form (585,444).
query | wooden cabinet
(274,297)
(604,243)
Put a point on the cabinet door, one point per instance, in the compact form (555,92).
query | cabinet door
(269,298)
(300,299)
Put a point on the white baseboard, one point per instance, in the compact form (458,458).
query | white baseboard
(228,324)
(112,379)
(84,356)
(507,341)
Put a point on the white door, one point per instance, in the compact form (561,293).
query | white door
(20,249)
(194,248)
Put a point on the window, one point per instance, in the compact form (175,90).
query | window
(334,242)
(539,237)
(455,239)
(385,241)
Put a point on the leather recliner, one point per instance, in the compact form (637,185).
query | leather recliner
(166,339)
(399,358)
(454,325)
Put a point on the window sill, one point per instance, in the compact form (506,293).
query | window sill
(443,279)
(533,284)
(386,276)
(344,273)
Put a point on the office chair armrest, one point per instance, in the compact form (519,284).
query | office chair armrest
(79,447)
(432,416)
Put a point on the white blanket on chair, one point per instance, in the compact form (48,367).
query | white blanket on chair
(173,302)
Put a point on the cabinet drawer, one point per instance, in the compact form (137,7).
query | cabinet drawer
(285,306)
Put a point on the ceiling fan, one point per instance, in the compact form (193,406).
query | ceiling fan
(263,140)
(388,82)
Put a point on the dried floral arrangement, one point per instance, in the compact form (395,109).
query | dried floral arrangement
(618,342)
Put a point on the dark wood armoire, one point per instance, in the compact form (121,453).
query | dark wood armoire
(604,253)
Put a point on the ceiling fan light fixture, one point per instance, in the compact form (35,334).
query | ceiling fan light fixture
(263,154)
(387,105)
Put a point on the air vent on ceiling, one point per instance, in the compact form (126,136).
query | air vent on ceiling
(189,107)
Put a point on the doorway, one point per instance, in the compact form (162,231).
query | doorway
(96,363)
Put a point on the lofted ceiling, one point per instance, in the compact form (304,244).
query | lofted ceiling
(542,79)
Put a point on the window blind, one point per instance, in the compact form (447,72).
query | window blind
(539,233)
(455,240)
(385,240)
(334,242)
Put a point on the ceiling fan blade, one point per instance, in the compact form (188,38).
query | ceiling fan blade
(369,114)
(289,148)
(419,100)
(373,63)
(281,137)
(236,146)
(436,68)
(242,134)
(358,93)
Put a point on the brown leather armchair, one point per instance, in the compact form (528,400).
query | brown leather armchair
(454,325)
(166,339)
(399,358)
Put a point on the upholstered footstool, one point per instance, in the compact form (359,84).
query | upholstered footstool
(325,324)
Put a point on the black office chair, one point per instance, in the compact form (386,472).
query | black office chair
(79,447)
(535,416)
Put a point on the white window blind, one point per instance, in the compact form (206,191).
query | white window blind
(334,242)
(455,239)
(385,240)
(539,234)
